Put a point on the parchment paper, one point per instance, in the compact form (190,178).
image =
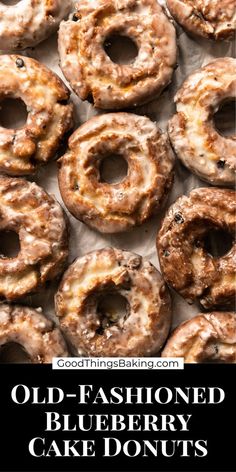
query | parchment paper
(193,53)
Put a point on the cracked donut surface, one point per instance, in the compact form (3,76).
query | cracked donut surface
(194,137)
(213,19)
(31,330)
(116,207)
(39,221)
(140,332)
(49,117)
(90,70)
(186,265)
(29,22)
(209,337)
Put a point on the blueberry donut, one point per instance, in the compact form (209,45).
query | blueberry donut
(29,22)
(91,72)
(209,337)
(26,209)
(50,116)
(110,208)
(35,333)
(186,264)
(93,330)
(213,19)
(196,141)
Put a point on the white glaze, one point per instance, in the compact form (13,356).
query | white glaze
(110,270)
(30,21)
(90,71)
(39,220)
(116,207)
(33,331)
(195,140)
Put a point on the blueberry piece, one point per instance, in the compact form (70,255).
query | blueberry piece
(220,164)
(19,63)
(178,218)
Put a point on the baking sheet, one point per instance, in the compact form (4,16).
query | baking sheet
(193,53)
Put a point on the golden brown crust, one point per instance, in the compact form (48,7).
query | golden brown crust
(141,332)
(33,331)
(116,207)
(209,337)
(28,210)
(30,21)
(49,114)
(213,19)
(197,143)
(92,73)
(185,263)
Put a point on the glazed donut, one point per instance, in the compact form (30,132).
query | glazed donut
(141,331)
(49,115)
(117,207)
(196,141)
(185,262)
(209,337)
(90,71)
(30,21)
(38,219)
(213,19)
(31,330)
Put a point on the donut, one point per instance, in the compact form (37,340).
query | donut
(196,142)
(91,72)
(110,208)
(31,330)
(27,210)
(209,337)
(185,262)
(143,327)
(49,118)
(29,22)
(212,19)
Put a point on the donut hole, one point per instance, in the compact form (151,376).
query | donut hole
(225,118)
(9,244)
(13,113)
(113,169)
(13,353)
(111,309)
(218,242)
(121,49)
